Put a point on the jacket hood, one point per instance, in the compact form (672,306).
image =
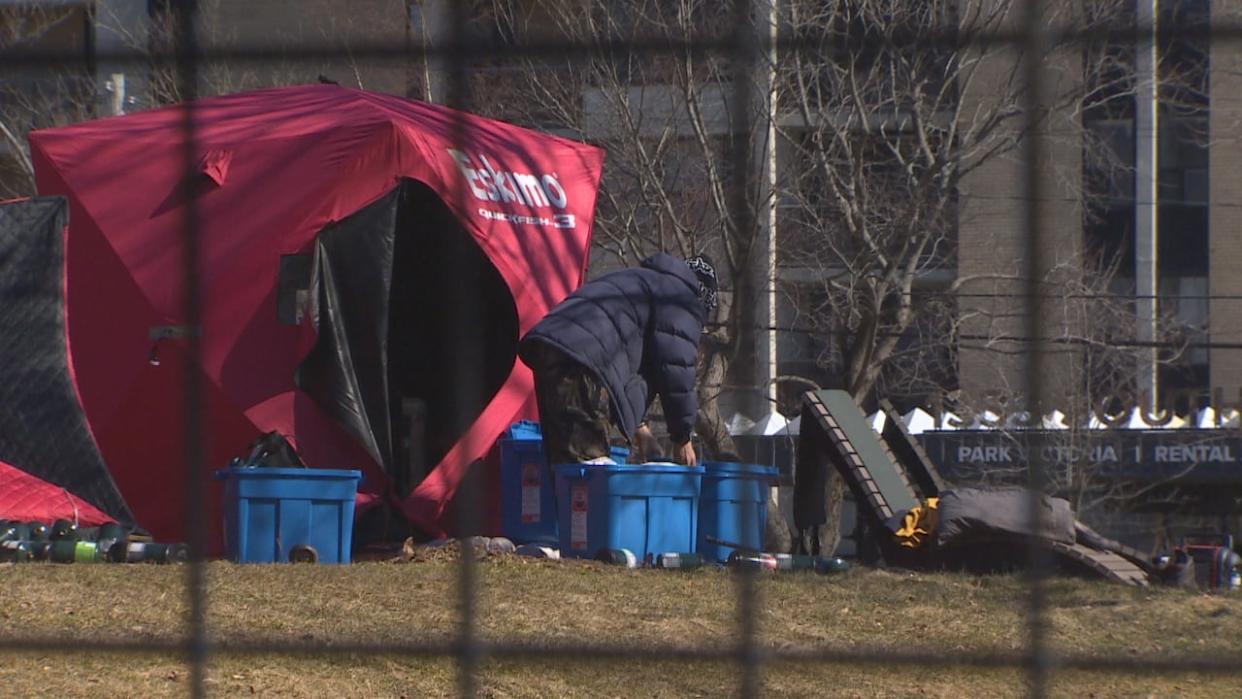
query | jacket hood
(666,263)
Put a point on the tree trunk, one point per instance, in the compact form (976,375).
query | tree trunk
(709,424)
(777,534)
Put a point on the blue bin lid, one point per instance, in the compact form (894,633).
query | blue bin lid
(729,468)
(525,429)
(581,470)
(272,472)
(569,470)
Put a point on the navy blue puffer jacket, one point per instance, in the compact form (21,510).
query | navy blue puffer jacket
(638,330)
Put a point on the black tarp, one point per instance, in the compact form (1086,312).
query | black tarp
(43,430)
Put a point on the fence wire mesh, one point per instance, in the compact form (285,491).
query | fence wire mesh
(744,46)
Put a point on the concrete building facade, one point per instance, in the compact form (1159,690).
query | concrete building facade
(1224,279)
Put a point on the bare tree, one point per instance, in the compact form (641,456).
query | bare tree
(35,97)
(885,116)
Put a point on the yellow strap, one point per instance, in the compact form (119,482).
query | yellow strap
(918,523)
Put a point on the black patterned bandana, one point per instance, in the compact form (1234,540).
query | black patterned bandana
(702,267)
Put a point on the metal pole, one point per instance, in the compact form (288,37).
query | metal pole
(764,155)
(1146,196)
(118,27)
(117,81)
(1036,56)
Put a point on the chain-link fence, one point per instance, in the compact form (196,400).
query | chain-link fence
(1034,36)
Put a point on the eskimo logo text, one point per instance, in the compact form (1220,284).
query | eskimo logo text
(489,184)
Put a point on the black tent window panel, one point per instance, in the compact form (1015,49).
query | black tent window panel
(294,296)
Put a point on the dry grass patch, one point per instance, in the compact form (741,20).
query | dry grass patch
(524,599)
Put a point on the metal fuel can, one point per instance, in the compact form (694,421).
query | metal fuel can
(144,552)
(679,561)
(752,561)
(618,557)
(826,565)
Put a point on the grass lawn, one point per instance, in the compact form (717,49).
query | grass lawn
(580,601)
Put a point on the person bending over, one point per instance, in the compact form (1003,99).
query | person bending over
(605,353)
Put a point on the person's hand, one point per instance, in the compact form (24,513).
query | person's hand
(684,454)
(648,445)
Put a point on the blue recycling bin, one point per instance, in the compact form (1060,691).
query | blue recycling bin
(646,508)
(528,498)
(527,486)
(270,512)
(733,507)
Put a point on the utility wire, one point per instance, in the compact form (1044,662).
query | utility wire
(1001,338)
(1101,295)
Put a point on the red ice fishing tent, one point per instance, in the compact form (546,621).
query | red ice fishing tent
(356,251)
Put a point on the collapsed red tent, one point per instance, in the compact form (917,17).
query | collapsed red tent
(25,498)
(358,253)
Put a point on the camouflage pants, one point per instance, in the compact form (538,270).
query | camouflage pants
(575,410)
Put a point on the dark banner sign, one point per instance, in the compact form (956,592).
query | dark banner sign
(1191,456)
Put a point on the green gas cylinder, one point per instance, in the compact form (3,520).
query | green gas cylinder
(62,530)
(14,551)
(70,551)
(41,550)
(15,531)
(39,531)
(108,535)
